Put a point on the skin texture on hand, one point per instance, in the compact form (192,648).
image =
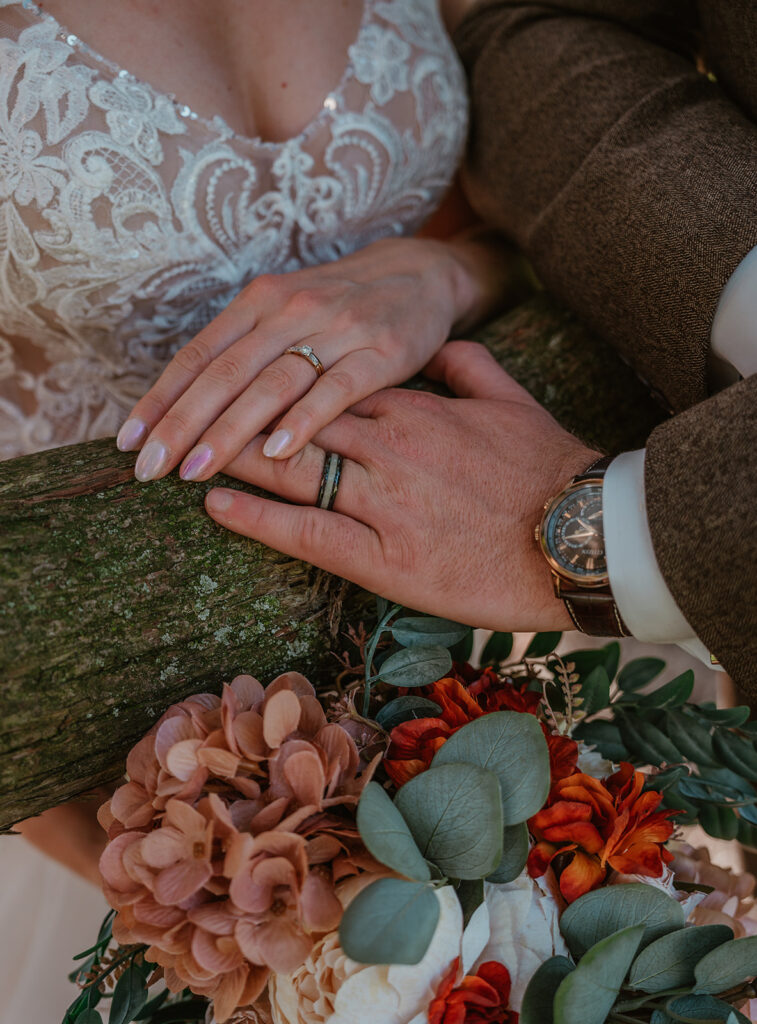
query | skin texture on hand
(373,319)
(70,834)
(438,499)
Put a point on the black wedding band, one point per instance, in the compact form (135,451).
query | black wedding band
(332,473)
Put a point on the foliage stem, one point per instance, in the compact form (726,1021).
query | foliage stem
(380,627)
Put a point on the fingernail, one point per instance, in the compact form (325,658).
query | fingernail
(151,460)
(218,500)
(130,434)
(196,462)
(276,443)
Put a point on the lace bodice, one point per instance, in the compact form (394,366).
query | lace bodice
(127,222)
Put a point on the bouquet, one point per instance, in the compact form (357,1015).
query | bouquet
(424,843)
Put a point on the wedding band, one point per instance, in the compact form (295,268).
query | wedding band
(332,472)
(307,353)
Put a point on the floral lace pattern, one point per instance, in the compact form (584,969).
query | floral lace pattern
(127,222)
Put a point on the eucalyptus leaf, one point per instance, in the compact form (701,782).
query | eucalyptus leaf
(747,834)
(660,1017)
(497,648)
(705,787)
(599,913)
(542,644)
(511,745)
(735,753)
(416,666)
(471,896)
(749,813)
(724,716)
(605,736)
(390,922)
(666,779)
(514,854)
(672,694)
(693,1009)
(727,966)
(405,709)
(686,812)
(586,995)
(690,737)
(90,1016)
(455,815)
(638,673)
(538,999)
(387,836)
(154,1004)
(725,777)
(129,996)
(595,691)
(426,630)
(718,821)
(669,962)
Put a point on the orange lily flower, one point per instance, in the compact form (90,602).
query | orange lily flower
(597,826)
(480,998)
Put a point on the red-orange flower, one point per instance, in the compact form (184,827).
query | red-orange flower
(480,998)
(463,697)
(596,826)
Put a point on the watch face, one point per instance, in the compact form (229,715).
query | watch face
(573,536)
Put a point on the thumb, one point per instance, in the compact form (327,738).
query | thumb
(470,371)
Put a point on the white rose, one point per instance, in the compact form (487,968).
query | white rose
(524,927)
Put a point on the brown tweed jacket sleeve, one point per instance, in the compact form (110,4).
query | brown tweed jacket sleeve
(630,180)
(628,177)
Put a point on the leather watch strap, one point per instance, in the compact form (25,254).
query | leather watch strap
(594,613)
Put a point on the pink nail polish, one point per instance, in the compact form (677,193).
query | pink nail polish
(276,443)
(151,461)
(130,434)
(196,462)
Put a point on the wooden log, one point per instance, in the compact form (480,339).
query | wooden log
(120,598)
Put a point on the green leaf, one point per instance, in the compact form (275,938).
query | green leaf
(595,690)
(735,753)
(605,736)
(719,822)
(511,745)
(587,994)
(390,922)
(747,834)
(686,812)
(455,815)
(427,630)
(585,661)
(542,644)
(669,962)
(129,996)
(724,716)
(416,666)
(749,813)
(90,1016)
(690,737)
(514,854)
(461,652)
(727,966)
(638,673)
(387,836)
(646,742)
(599,913)
(404,709)
(696,1009)
(658,1017)
(666,779)
(471,896)
(538,999)
(497,648)
(672,694)
(154,1004)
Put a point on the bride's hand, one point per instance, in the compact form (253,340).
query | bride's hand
(373,319)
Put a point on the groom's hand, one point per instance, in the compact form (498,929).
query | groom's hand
(438,498)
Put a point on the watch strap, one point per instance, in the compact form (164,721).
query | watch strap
(595,470)
(594,613)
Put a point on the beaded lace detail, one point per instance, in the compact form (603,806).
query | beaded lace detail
(127,222)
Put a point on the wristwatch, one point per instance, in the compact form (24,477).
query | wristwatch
(571,538)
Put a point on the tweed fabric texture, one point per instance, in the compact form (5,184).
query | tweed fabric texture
(629,177)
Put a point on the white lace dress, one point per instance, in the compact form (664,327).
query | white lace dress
(127,223)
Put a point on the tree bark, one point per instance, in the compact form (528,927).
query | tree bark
(122,598)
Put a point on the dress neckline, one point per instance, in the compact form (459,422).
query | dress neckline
(332,102)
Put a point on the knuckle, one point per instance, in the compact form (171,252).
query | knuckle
(263,286)
(225,371)
(342,382)
(194,357)
(176,423)
(311,530)
(306,302)
(276,380)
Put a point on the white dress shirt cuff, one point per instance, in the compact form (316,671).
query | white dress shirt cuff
(638,586)
(734,328)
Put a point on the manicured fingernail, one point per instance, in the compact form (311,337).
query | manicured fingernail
(277,443)
(218,500)
(130,434)
(151,461)
(196,462)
